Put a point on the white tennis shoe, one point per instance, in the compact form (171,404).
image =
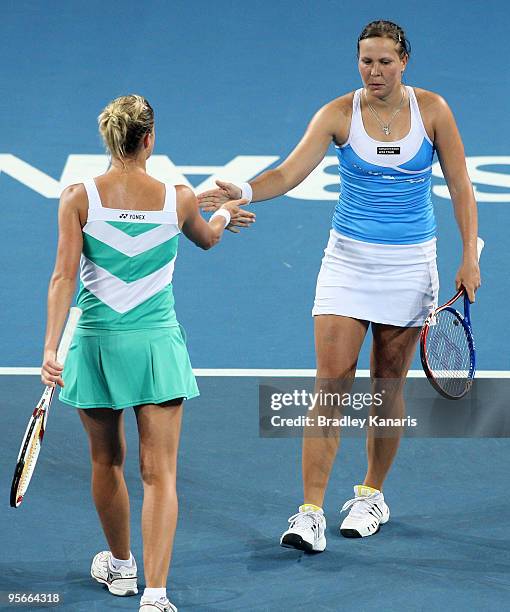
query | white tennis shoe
(306,531)
(368,512)
(161,605)
(121,582)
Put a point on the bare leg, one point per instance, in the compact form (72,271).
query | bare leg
(159,427)
(105,428)
(392,352)
(338,341)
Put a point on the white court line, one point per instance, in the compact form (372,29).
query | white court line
(263,373)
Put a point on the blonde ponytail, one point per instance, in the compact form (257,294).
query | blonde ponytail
(124,123)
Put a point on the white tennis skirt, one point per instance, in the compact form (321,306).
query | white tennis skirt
(383,283)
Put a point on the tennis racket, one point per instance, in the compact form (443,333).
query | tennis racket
(447,346)
(32,440)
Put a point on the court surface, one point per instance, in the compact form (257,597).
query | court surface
(233,87)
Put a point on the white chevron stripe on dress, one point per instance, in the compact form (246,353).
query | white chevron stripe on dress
(117,294)
(130,245)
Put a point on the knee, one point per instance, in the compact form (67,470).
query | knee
(331,380)
(155,472)
(335,374)
(334,371)
(148,471)
(389,370)
(112,458)
(389,365)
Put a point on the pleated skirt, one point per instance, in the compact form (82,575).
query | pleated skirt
(382,283)
(112,369)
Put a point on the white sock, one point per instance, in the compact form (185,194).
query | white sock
(117,563)
(155,594)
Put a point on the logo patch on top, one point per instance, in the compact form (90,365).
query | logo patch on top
(388,150)
(132,216)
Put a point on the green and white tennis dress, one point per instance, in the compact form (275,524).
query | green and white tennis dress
(128,348)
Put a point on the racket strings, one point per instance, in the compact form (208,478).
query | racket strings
(449,353)
(30,459)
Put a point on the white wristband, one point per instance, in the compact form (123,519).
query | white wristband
(222,212)
(246,192)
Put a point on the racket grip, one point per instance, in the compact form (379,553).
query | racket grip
(479,246)
(67,336)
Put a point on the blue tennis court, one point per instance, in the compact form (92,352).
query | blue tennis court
(233,87)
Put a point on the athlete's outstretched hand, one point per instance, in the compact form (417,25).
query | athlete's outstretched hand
(239,217)
(212,200)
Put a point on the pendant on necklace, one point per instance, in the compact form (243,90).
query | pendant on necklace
(386,129)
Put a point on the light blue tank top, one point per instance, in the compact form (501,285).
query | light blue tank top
(385,187)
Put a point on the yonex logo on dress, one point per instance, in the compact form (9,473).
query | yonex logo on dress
(137,217)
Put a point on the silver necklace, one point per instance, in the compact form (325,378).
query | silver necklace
(385,126)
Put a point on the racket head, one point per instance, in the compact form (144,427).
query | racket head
(30,448)
(32,440)
(447,352)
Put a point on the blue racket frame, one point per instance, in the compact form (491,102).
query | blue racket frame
(465,321)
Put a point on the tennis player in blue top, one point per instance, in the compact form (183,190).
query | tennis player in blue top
(379,267)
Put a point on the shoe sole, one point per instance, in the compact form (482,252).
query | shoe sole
(354,533)
(126,592)
(293,540)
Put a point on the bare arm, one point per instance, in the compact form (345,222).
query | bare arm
(195,227)
(307,155)
(63,280)
(451,156)
(294,169)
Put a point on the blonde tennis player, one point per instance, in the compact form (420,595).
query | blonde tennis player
(122,229)
(379,266)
